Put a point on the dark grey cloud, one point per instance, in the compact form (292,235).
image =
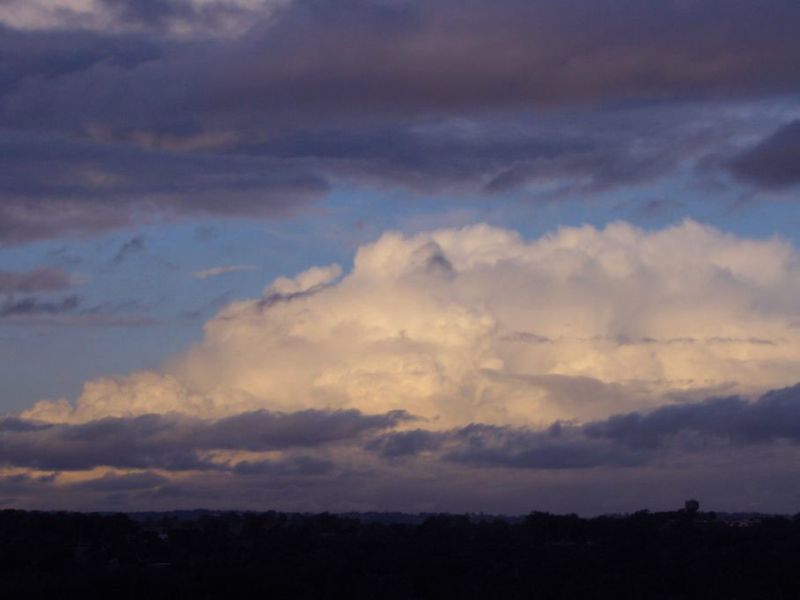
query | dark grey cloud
(197,19)
(426,58)
(487,445)
(175,442)
(775,161)
(96,186)
(627,440)
(32,306)
(774,416)
(67,311)
(182,443)
(127,482)
(42,279)
(491,157)
(28,296)
(619,463)
(179,442)
(405,443)
(266,430)
(23,219)
(14,424)
(47,56)
(296,466)
(368,58)
(132,246)
(102,130)
(20,489)
(449,55)
(150,12)
(557,448)
(83,171)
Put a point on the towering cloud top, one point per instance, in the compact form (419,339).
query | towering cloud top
(478,324)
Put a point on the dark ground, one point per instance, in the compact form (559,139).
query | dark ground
(198,554)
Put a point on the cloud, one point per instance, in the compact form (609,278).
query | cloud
(27,297)
(311,460)
(111,482)
(178,442)
(773,162)
(559,364)
(65,53)
(92,187)
(217,271)
(549,48)
(774,416)
(125,112)
(492,446)
(100,184)
(405,443)
(431,57)
(302,466)
(132,246)
(625,440)
(149,12)
(314,279)
(480,325)
(267,431)
(32,307)
(41,279)
(175,441)
(179,18)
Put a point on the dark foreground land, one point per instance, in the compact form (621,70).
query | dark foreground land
(269,555)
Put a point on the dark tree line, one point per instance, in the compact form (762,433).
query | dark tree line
(671,555)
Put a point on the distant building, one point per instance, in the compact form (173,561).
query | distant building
(691,506)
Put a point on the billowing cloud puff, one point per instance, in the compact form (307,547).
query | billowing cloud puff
(479,325)
(307,281)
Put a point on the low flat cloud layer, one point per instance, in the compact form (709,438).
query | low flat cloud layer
(176,442)
(346,459)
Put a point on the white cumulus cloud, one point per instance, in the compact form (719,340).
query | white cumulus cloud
(480,325)
(223,270)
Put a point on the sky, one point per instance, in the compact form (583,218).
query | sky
(400,255)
